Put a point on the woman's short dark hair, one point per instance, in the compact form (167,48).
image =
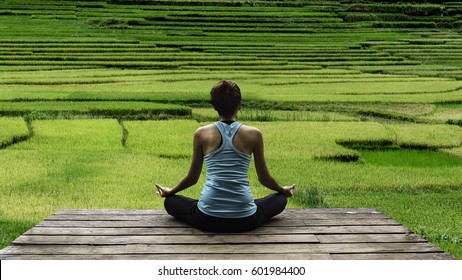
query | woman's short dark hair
(226,97)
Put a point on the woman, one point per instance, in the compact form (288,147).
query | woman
(226,203)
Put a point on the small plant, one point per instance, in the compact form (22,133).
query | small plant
(310,197)
(259,115)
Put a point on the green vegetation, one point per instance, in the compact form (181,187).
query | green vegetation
(207,114)
(47,109)
(436,211)
(409,158)
(12,130)
(359,103)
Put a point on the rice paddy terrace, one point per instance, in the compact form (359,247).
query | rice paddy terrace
(83,85)
(308,52)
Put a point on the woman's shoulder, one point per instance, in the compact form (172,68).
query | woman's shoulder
(206,129)
(207,126)
(250,129)
(250,133)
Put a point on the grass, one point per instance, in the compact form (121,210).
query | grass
(445,113)
(309,197)
(95,109)
(206,114)
(325,82)
(433,214)
(454,151)
(82,164)
(320,86)
(409,158)
(427,136)
(12,130)
(173,137)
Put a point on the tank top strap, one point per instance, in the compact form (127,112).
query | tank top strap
(228,130)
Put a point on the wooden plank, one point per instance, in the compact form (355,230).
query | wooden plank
(112,224)
(162,224)
(156,231)
(394,256)
(92,217)
(318,233)
(367,238)
(148,212)
(325,216)
(218,256)
(135,217)
(332,210)
(165,221)
(191,231)
(311,248)
(201,239)
(350,222)
(294,211)
(357,229)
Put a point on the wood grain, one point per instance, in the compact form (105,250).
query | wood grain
(306,234)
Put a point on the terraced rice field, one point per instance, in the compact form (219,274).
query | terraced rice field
(359,103)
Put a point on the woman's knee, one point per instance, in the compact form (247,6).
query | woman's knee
(170,203)
(283,199)
(167,203)
(272,204)
(279,199)
(178,204)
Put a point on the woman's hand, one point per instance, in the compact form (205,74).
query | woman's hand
(163,191)
(288,190)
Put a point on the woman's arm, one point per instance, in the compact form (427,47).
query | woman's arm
(264,176)
(194,170)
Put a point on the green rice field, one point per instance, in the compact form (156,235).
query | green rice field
(359,102)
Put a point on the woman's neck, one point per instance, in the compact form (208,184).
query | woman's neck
(231,118)
(228,122)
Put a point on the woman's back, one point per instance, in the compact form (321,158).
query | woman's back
(226,192)
(244,140)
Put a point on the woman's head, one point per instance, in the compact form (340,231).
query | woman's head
(226,97)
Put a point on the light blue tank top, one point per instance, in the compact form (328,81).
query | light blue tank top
(226,192)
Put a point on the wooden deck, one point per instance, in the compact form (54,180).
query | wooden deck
(307,234)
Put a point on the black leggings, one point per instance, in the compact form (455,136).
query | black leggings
(185,209)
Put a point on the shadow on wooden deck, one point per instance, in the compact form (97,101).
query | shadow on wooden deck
(308,234)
